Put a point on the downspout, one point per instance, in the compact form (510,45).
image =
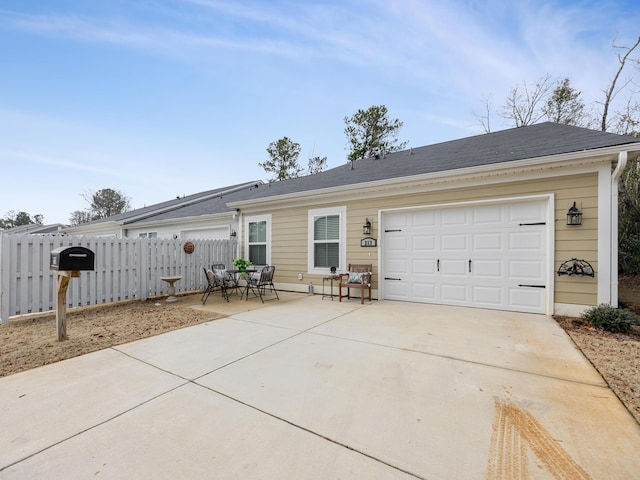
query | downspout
(615,178)
(240,234)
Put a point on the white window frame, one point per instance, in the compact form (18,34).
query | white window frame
(255,219)
(321,212)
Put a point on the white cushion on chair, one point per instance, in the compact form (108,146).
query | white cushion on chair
(221,275)
(355,277)
(254,277)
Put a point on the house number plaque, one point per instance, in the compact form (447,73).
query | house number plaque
(368,242)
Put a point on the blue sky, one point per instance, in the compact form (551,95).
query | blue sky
(161,98)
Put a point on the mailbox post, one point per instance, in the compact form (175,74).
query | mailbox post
(68,262)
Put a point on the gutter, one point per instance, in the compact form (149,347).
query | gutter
(615,178)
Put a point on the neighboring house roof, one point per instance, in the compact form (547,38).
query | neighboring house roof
(163,210)
(535,141)
(34,229)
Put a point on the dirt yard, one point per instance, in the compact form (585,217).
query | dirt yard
(616,356)
(31,342)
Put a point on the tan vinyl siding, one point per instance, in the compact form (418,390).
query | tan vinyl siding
(289,246)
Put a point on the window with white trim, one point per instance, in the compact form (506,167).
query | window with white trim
(258,236)
(327,239)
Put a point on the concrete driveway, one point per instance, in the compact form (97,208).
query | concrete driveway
(307,388)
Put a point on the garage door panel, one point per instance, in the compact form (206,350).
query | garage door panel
(527,241)
(490,297)
(422,267)
(424,292)
(526,298)
(488,242)
(488,215)
(397,290)
(424,243)
(454,216)
(527,212)
(526,270)
(455,242)
(397,221)
(397,244)
(422,219)
(397,266)
(454,293)
(453,267)
(488,269)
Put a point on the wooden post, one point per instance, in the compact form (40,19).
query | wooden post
(61,303)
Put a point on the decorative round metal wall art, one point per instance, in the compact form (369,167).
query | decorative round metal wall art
(576,268)
(188,248)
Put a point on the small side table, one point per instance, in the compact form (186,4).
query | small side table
(330,279)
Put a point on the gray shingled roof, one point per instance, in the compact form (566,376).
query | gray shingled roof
(534,141)
(178,203)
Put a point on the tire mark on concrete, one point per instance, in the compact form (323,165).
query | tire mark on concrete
(515,433)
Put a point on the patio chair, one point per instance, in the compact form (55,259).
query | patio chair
(227,280)
(211,285)
(259,285)
(217,281)
(357,276)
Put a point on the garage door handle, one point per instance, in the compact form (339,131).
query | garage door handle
(438,264)
(391,278)
(469,266)
(532,286)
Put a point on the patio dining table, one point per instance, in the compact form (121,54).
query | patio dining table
(237,275)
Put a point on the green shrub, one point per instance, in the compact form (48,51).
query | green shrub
(617,320)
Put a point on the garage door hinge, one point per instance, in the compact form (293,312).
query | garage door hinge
(532,286)
(387,231)
(536,223)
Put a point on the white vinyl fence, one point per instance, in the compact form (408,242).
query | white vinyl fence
(125,269)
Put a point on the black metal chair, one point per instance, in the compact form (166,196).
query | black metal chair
(218,279)
(211,285)
(259,285)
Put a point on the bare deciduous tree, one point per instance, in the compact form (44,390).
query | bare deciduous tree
(524,103)
(612,91)
(484,119)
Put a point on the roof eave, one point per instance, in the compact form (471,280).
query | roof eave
(88,229)
(173,221)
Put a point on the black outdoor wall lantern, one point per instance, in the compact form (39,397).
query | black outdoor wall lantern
(574,216)
(366,228)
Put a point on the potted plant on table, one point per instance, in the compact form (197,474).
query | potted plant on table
(241,265)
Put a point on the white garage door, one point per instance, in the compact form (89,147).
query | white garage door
(488,256)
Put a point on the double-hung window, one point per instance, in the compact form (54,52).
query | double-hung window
(327,233)
(258,233)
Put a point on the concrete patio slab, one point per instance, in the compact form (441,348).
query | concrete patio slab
(51,404)
(434,416)
(194,433)
(302,318)
(518,341)
(193,352)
